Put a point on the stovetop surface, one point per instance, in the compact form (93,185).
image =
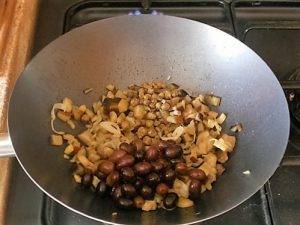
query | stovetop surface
(271,28)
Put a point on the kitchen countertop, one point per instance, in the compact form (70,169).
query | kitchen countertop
(17,22)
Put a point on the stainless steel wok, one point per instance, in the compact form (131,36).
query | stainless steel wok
(130,49)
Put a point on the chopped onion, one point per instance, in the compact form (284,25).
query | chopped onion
(175,135)
(221,144)
(56,139)
(237,127)
(95,181)
(149,205)
(213,100)
(88,90)
(60,106)
(86,137)
(175,112)
(69,149)
(111,128)
(77,178)
(247,172)
(180,188)
(71,124)
(68,104)
(210,123)
(184,202)
(158,198)
(86,163)
(221,118)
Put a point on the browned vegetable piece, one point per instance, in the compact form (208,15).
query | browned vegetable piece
(123,105)
(184,202)
(56,139)
(86,137)
(111,104)
(213,100)
(237,127)
(138,202)
(63,116)
(139,111)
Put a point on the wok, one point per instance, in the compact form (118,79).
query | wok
(130,49)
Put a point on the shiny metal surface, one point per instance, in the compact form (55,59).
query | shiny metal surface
(121,51)
(6,148)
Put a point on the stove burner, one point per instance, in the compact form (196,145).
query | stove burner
(138,12)
(294,97)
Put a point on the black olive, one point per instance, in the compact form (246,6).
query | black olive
(139,155)
(94,189)
(106,167)
(117,155)
(112,178)
(197,174)
(116,192)
(125,203)
(163,145)
(157,166)
(127,174)
(143,168)
(138,183)
(129,148)
(170,200)
(175,161)
(195,188)
(87,180)
(166,164)
(152,153)
(173,151)
(146,192)
(102,189)
(125,161)
(162,189)
(153,179)
(181,168)
(100,175)
(129,190)
(169,176)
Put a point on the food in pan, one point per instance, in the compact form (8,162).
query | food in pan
(152,145)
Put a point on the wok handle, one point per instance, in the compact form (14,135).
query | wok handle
(6,148)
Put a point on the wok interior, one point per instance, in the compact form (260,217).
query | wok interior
(121,51)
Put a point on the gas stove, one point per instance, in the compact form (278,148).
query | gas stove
(271,28)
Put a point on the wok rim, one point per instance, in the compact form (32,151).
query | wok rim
(247,196)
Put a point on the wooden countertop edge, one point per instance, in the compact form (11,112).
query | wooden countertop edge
(17,23)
